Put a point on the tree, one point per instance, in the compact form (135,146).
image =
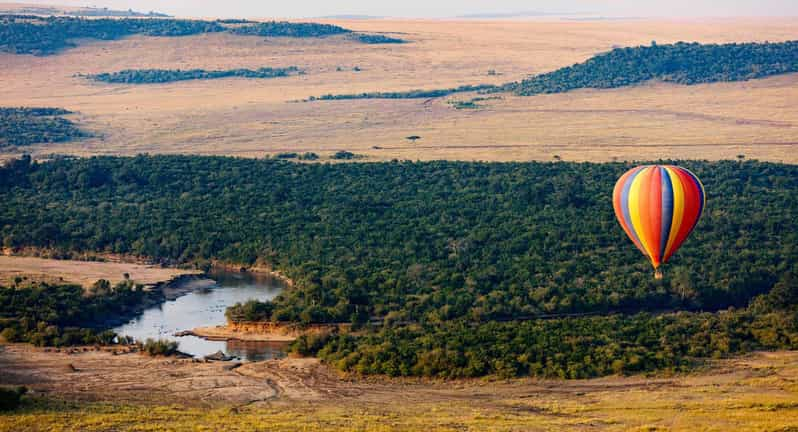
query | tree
(343,154)
(785,292)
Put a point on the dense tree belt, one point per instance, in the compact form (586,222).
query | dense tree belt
(434,240)
(681,63)
(561,348)
(439,251)
(30,34)
(153,76)
(411,94)
(61,315)
(25,126)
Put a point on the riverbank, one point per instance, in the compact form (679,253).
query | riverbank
(227,333)
(261,269)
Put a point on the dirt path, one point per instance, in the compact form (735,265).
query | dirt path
(755,392)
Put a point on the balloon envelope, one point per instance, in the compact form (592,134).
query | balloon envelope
(658,206)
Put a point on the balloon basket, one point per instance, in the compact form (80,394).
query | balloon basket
(658,274)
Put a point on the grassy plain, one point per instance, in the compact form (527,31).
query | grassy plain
(82,273)
(103,392)
(254,118)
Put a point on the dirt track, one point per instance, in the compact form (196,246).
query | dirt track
(101,375)
(755,392)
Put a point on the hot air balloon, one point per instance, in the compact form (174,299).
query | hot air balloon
(658,206)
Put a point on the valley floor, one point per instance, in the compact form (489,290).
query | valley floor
(98,390)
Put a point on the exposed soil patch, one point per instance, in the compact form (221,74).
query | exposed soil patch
(82,273)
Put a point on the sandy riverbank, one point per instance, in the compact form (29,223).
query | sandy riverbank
(224,333)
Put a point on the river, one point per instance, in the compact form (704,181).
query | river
(203,307)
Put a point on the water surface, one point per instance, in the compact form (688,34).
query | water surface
(205,307)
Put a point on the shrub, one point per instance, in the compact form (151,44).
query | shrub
(11,398)
(343,155)
(159,347)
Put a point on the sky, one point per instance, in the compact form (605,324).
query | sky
(444,8)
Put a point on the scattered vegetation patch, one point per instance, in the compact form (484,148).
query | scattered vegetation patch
(472,103)
(153,76)
(376,39)
(159,347)
(25,126)
(309,156)
(412,94)
(343,155)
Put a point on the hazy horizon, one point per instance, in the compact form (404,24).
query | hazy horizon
(446,9)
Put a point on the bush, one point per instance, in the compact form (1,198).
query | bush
(159,347)
(11,334)
(309,156)
(309,344)
(377,39)
(343,155)
(11,398)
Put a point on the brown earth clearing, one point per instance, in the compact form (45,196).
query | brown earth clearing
(82,273)
(253,118)
(755,392)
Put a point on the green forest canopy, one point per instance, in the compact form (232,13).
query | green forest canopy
(458,259)
(25,126)
(428,241)
(681,63)
(61,315)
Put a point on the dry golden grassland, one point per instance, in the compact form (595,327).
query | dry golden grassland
(249,117)
(107,392)
(83,273)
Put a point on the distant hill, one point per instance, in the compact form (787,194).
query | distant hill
(20,8)
(517,14)
(351,17)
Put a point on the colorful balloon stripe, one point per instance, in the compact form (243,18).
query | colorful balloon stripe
(658,206)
